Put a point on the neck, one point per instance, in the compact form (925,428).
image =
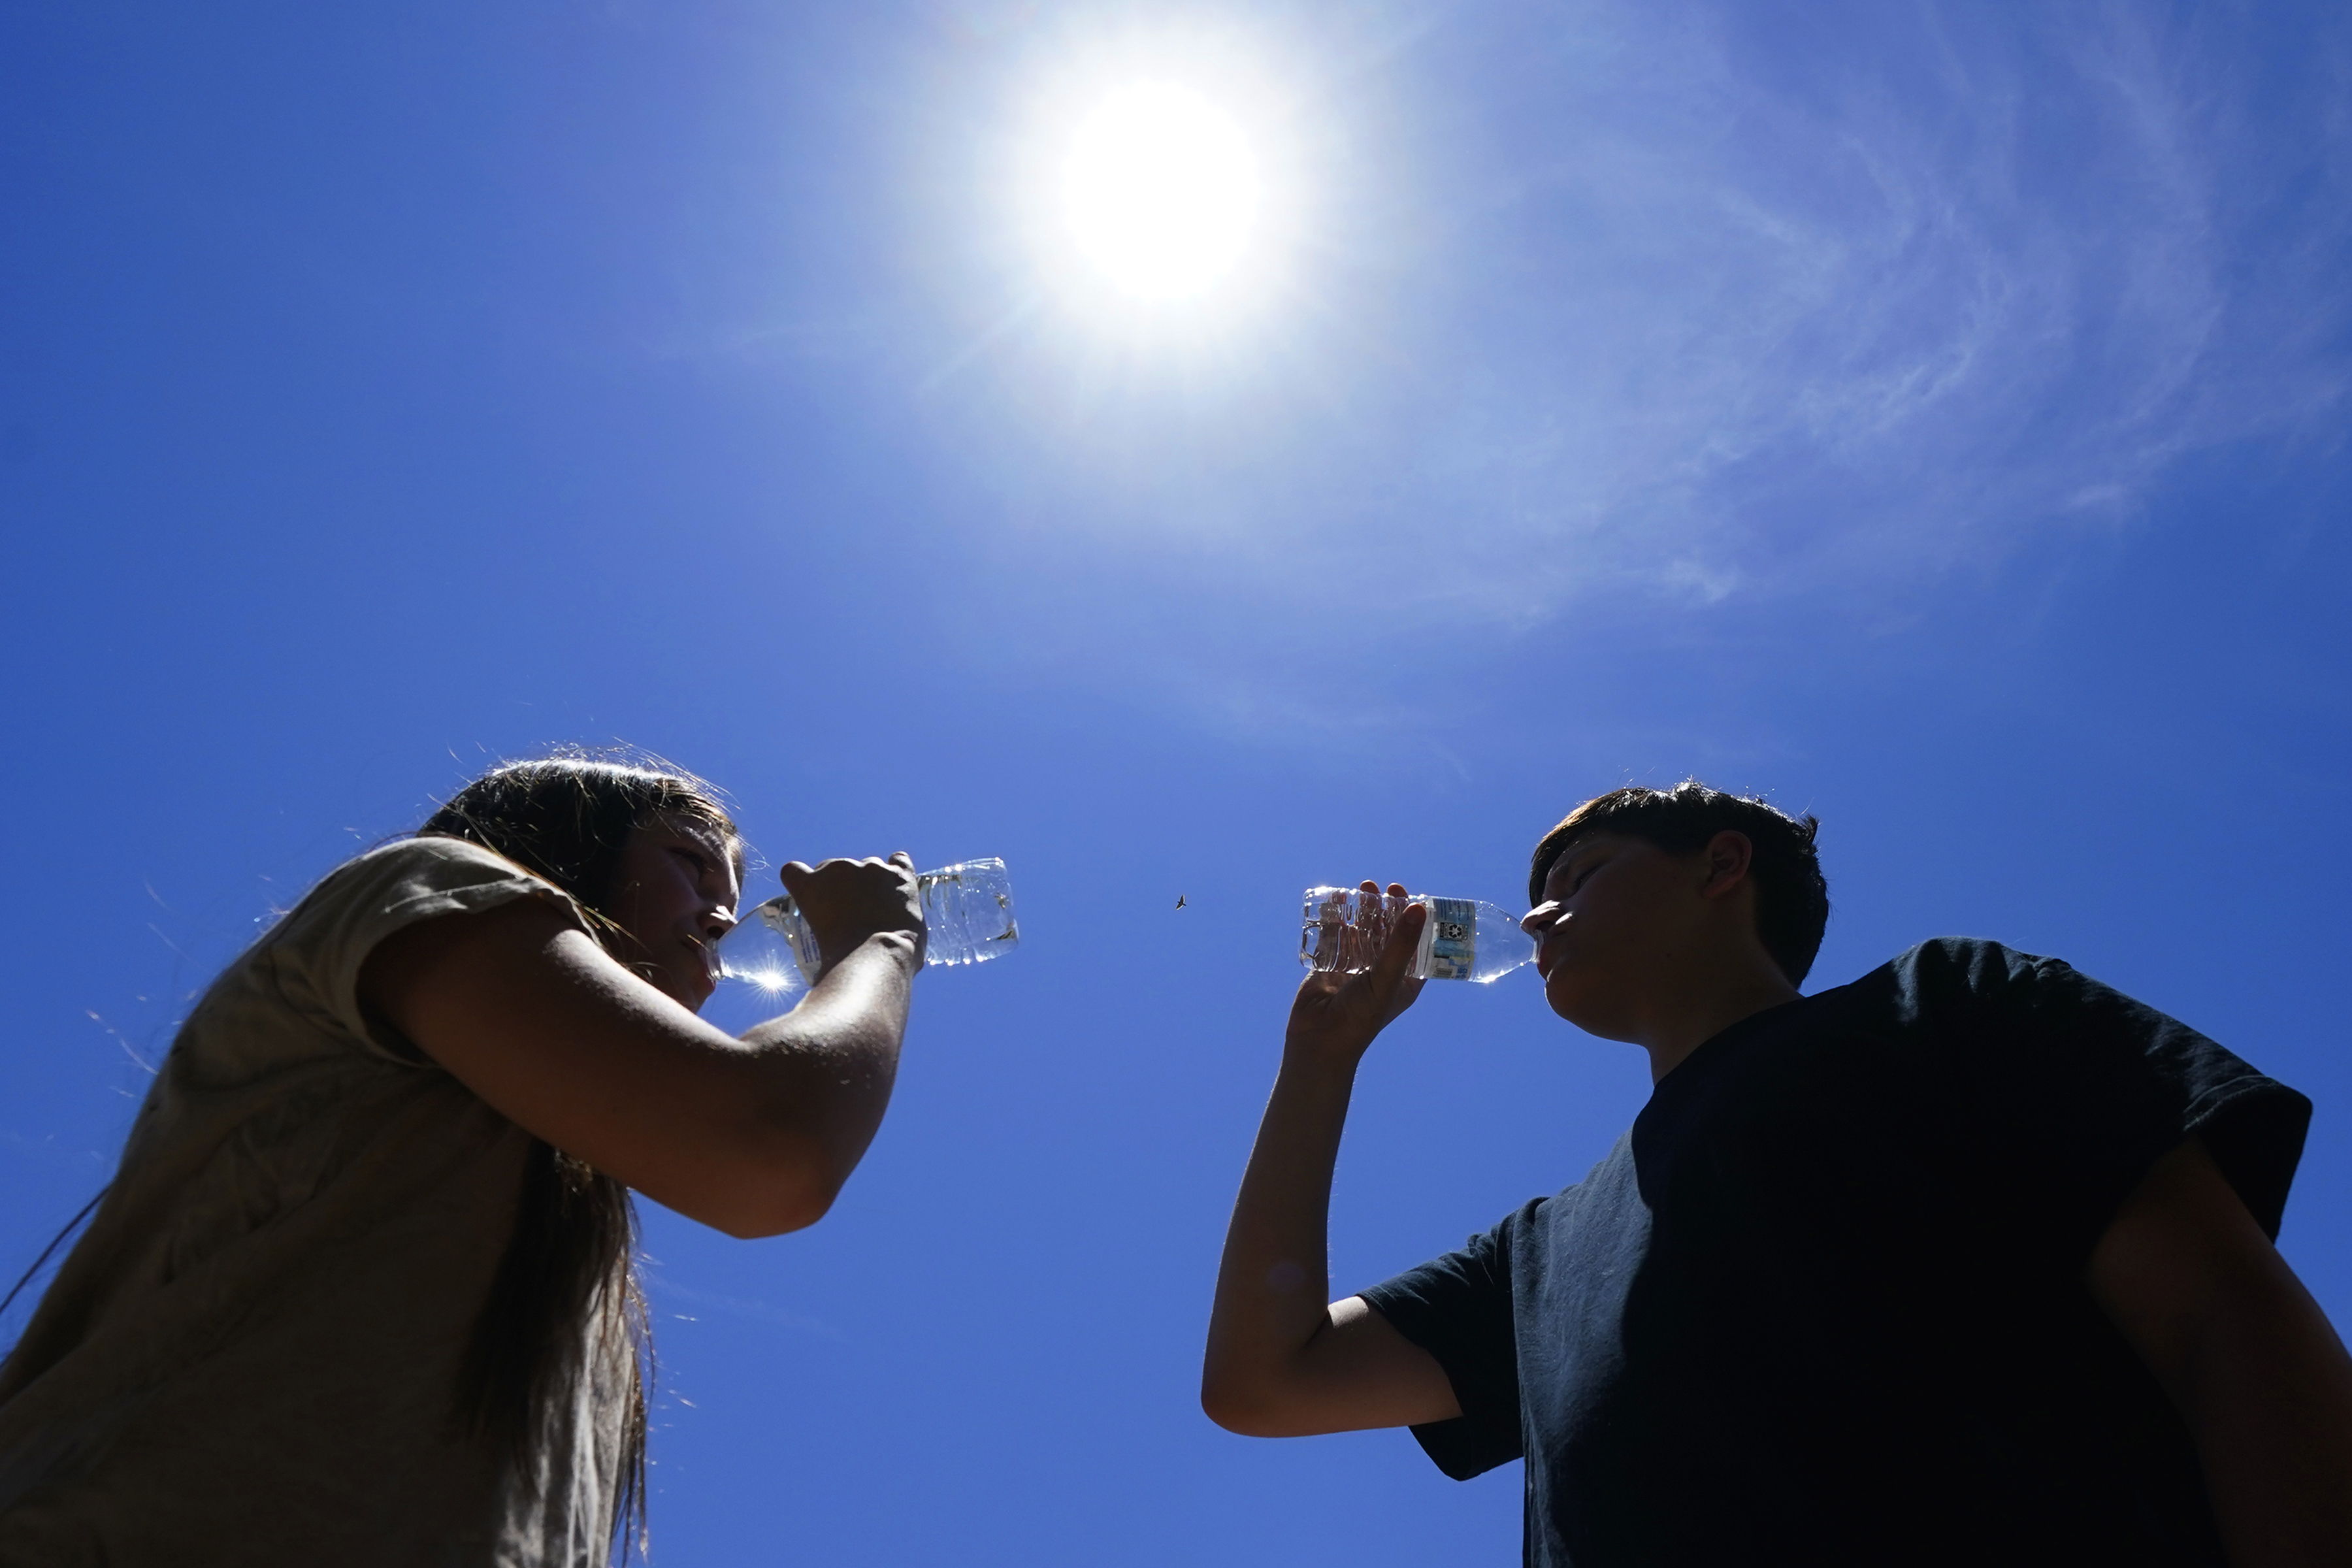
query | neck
(1704,1009)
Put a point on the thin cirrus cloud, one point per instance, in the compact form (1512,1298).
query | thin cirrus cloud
(2007,291)
(1678,302)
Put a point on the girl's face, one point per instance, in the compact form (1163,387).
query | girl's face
(675,892)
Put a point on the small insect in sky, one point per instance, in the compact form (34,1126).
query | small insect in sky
(1180,900)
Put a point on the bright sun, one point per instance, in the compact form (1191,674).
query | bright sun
(1161,191)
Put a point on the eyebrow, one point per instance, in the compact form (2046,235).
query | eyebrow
(1570,856)
(708,841)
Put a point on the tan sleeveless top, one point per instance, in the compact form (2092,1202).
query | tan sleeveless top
(251,1357)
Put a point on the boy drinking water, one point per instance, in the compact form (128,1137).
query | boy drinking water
(1968,1261)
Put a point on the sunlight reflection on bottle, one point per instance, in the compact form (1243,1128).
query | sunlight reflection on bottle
(765,963)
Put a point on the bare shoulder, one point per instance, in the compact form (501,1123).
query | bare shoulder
(417,955)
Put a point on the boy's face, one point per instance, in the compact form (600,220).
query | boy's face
(1622,919)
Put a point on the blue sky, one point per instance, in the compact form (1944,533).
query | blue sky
(1930,416)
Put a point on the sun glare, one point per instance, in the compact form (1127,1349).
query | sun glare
(1160,192)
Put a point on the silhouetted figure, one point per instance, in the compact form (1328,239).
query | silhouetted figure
(1967,1262)
(362,1290)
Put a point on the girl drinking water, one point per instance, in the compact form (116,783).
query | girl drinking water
(362,1290)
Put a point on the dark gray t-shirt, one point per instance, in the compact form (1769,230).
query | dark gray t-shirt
(1822,1303)
(252,1356)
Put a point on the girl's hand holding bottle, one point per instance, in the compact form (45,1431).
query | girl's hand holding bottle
(842,902)
(957,914)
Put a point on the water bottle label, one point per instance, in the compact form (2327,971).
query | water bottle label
(1453,938)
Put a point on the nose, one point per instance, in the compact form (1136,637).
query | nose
(1537,920)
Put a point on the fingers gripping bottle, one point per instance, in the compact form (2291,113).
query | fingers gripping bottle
(1344,930)
(967,919)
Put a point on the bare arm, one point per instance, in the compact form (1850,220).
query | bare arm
(1280,1362)
(2246,1355)
(753,1136)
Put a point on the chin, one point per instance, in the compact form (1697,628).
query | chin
(1559,990)
(1577,1005)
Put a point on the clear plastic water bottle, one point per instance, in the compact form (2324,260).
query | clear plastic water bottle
(1463,939)
(770,954)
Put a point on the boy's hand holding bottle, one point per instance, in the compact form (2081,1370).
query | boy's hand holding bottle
(1346,1002)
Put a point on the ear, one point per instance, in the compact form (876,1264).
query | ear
(1727,859)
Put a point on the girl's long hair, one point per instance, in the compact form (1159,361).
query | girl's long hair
(572,1259)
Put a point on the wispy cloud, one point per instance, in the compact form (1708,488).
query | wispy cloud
(1836,307)
(1686,303)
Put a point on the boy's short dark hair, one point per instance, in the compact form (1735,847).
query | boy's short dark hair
(1793,898)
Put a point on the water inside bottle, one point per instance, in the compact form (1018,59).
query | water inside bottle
(763,950)
(968,913)
(1343,929)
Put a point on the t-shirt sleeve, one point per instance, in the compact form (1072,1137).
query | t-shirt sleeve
(317,949)
(1458,1308)
(2086,1089)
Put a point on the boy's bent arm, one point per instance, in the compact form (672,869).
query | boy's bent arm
(2246,1355)
(1281,1364)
